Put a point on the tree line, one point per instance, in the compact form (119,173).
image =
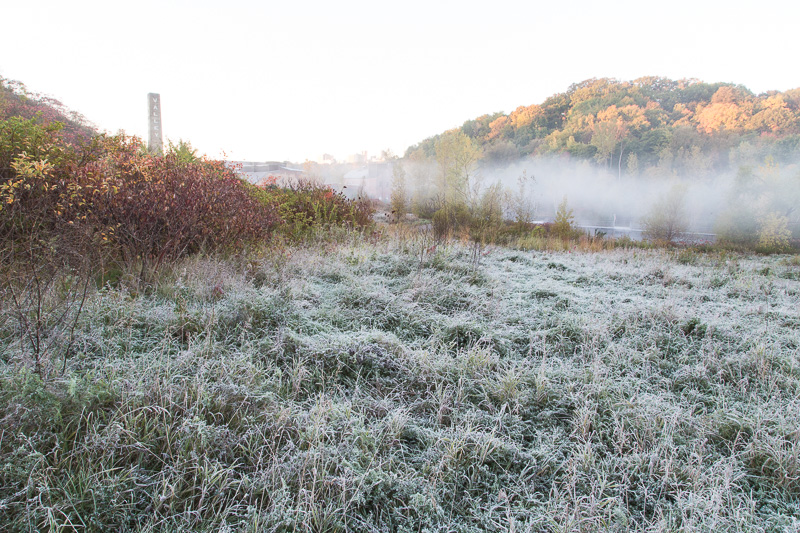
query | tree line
(651,125)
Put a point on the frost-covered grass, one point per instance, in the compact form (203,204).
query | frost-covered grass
(397,386)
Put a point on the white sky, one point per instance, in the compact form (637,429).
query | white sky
(266,80)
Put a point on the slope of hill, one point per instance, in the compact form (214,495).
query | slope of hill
(678,127)
(17,101)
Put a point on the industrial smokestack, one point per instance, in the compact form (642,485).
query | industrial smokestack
(155,142)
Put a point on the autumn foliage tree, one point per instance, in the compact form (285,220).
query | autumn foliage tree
(45,262)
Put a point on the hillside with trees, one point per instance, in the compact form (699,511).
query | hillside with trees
(16,100)
(648,125)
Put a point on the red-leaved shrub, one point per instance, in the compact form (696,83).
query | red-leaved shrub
(156,208)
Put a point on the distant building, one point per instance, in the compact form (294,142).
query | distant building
(369,178)
(373,180)
(355,182)
(259,172)
(357,159)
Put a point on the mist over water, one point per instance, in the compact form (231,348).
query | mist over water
(600,197)
(603,198)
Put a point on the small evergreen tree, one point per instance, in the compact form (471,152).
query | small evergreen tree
(563,226)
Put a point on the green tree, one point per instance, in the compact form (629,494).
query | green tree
(738,223)
(183,152)
(502,153)
(420,171)
(564,223)
(605,138)
(457,156)
(457,181)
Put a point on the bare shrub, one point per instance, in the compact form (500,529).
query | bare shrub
(667,219)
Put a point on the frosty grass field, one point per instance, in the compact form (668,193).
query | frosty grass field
(400,387)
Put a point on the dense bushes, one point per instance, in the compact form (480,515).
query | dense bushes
(306,205)
(34,163)
(111,193)
(141,209)
(157,208)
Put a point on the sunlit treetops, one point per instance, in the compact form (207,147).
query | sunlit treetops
(645,122)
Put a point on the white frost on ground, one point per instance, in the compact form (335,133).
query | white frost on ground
(396,386)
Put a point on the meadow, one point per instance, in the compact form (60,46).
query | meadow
(394,384)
